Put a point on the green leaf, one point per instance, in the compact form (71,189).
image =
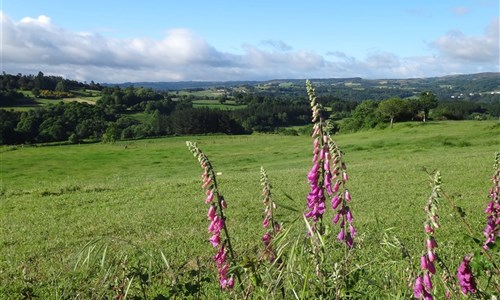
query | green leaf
(286,207)
(288,196)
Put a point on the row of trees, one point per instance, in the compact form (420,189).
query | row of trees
(81,121)
(370,114)
(64,121)
(42,82)
(128,98)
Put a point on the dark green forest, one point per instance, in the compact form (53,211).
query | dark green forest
(132,111)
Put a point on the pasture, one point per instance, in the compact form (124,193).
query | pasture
(75,218)
(228,105)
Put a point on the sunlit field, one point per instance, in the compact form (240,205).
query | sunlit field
(76,218)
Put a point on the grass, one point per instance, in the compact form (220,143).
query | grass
(70,214)
(229,105)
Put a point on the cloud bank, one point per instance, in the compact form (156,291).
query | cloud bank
(37,44)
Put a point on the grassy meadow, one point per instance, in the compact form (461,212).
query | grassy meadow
(74,217)
(228,105)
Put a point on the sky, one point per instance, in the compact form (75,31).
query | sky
(110,41)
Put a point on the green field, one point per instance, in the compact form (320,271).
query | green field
(73,215)
(229,105)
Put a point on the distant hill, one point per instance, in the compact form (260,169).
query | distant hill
(484,81)
(183,85)
(484,87)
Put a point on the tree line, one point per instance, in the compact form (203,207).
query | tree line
(370,114)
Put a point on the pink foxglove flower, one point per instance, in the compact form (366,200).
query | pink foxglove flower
(266,239)
(465,277)
(427,281)
(341,235)
(423,262)
(335,202)
(216,217)
(423,285)
(345,177)
(210,197)
(211,213)
(269,209)
(328,176)
(492,230)
(347,196)
(418,288)
(223,269)
(336,186)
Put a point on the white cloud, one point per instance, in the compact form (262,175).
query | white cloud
(479,49)
(37,44)
(40,21)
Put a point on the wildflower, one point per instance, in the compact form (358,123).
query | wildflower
(328,173)
(427,281)
(215,240)
(423,285)
(418,287)
(270,206)
(216,217)
(428,228)
(223,269)
(465,277)
(211,213)
(335,202)
(266,239)
(347,196)
(431,243)
(336,186)
(210,197)
(349,215)
(492,210)
(423,262)
(341,235)
(265,223)
(345,177)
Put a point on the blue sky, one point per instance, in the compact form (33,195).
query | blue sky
(117,41)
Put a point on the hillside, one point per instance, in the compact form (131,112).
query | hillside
(44,109)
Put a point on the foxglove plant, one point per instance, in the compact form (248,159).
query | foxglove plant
(341,197)
(423,287)
(328,176)
(492,230)
(269,220)
(216,217)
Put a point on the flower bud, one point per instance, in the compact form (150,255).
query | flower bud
(347,196)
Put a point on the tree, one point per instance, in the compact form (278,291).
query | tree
(425,103)
(112,133)
(364,116)
(223,98)
(39,81)
(61,87)
(35,92)
(392,108)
